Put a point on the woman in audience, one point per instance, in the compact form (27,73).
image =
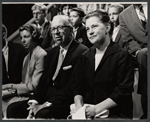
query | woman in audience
(32,69)
(103,76)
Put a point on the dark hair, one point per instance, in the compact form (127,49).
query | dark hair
(79,10)
(103,16)
(34,30)
(70,5)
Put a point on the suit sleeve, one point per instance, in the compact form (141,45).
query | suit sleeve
(128,41)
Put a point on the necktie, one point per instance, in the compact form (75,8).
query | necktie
(60,60)
(142,16)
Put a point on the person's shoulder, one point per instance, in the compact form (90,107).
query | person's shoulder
(41,51)
(16,46)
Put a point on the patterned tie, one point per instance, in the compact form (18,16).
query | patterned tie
(60,60)
(142,16)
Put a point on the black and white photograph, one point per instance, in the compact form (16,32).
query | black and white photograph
(74,61)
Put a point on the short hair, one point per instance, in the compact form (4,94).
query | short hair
(119,6)
(4,30)
(34,30)
(79,10)
(102,15)
(64,18)
(40,7)
(70,5)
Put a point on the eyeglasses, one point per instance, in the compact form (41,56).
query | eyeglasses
(59,28)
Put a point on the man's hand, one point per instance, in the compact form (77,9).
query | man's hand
(34,108)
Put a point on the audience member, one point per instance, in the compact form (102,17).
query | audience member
(76,16)
(59,65)
(114,10)
(32,70)
(104,74)
(39,13)
(134,28)
(12,59)
(66,8)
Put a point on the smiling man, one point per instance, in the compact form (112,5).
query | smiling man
(59,65)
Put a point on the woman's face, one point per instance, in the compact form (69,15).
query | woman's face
(26,39)
(96,30)
(66,10)
(75,18)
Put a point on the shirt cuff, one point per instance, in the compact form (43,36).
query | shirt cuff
(32,101)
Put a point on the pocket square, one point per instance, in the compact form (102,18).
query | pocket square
(67,67)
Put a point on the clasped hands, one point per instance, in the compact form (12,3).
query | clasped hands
(34,108)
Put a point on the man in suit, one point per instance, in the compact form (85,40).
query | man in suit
(114,10)
(12,59)
(76,16)
(39,13)
(44,103)
(134,30)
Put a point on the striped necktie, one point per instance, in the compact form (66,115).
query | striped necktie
(142,16)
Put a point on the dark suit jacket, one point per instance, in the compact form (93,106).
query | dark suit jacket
(47,37)
(81,36)
(15,61)
(47,87)
(113,79)
(134,36)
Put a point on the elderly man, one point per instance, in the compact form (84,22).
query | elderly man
(59,65)
(39,13)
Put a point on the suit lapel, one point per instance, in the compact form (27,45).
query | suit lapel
(69,55)
(118,36)
(135,17)
(45,29)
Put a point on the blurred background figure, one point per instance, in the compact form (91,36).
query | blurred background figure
(32,68)
(79,30)
(39,13)
(134,29)
(12,59)
(66,8)
(114,10)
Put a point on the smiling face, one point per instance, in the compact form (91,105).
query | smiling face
(61,32)
(96,30)
(26,39)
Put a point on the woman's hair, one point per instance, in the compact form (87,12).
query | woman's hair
(34,30)
(70,5)
(103,16)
